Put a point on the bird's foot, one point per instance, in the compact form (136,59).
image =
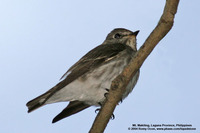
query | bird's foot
(106,94)
(98,109)
(112,116)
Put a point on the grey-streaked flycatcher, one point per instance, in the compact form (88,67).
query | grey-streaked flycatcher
(87,81)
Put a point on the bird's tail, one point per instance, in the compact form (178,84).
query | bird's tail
(37,102)
(72,108)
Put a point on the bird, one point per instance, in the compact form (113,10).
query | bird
(88,80)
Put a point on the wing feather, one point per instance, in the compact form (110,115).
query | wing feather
(92,60)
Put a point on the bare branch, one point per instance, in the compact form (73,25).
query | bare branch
(119,84)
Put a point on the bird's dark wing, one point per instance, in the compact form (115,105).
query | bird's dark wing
(93,59)
(72,108)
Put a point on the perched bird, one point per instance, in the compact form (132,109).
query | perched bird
(87,81)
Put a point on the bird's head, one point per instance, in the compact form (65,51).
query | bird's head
(122,36)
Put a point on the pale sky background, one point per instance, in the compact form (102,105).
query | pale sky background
(41,39)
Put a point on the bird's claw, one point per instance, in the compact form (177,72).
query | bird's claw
(112,117)
(97,110)
(107,89)
(121,101)
(106,94)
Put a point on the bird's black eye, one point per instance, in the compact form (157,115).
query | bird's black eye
(117,36)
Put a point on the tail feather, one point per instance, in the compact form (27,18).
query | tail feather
(72,108)
(37,102)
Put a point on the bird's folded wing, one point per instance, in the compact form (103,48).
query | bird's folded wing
(92,60)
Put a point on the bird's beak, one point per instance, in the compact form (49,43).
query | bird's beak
(135,33)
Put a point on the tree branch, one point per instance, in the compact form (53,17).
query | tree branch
(120,82)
